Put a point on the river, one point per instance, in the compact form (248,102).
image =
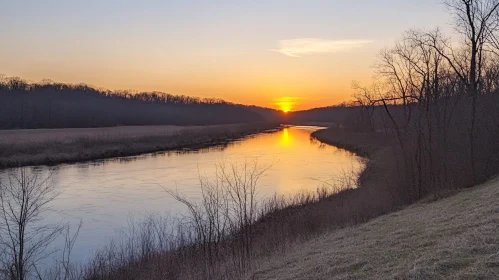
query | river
(105,194)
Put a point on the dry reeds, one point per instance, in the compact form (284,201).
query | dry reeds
(55,146)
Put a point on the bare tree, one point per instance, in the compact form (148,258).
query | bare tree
(425,78)
(226,214)
(24,238)
(477,21)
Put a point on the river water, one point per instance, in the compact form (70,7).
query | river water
(105,194)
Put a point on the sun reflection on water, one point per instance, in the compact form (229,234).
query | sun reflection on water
(285,139)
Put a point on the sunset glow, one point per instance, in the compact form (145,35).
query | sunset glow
(231,139)
(248,52)
(285,104)
(285,108)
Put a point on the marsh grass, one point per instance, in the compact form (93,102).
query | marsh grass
(55,146)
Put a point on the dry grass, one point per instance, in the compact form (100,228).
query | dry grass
(453,238)
(54,146)
(71,135)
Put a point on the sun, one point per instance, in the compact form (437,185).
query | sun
(285,109)
(285,104)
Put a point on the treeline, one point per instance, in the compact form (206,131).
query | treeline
(346,114)
(57,105)
(332,114)
(48,104)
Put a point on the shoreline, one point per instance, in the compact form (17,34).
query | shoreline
(69,146)
(286,221)
(364,145)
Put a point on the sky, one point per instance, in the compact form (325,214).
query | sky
(284,54)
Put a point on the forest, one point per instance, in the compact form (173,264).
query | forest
(47,104)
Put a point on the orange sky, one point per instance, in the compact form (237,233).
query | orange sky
(300,55)
(265,78)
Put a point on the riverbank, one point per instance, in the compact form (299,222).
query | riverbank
(360,143)
(376,232)
(57,146)
(452,238)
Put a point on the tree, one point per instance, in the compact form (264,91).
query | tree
(478,23)
(24,238)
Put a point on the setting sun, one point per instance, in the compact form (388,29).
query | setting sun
(285,104)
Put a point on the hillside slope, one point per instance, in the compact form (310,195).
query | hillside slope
(453,238)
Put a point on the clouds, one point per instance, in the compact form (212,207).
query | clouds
(306,46)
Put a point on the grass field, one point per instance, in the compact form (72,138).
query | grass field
(453,238)
(54,146)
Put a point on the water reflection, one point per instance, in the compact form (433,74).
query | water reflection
(318,143)
(285,138)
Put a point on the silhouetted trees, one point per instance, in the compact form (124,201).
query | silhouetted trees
(440,100)
(332,114)
(57,105)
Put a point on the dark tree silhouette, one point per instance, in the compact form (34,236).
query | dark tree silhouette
(56,105)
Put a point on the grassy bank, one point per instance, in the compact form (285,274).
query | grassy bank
(453,238)
(55,146)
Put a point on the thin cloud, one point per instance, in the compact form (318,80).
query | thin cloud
(306,46)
